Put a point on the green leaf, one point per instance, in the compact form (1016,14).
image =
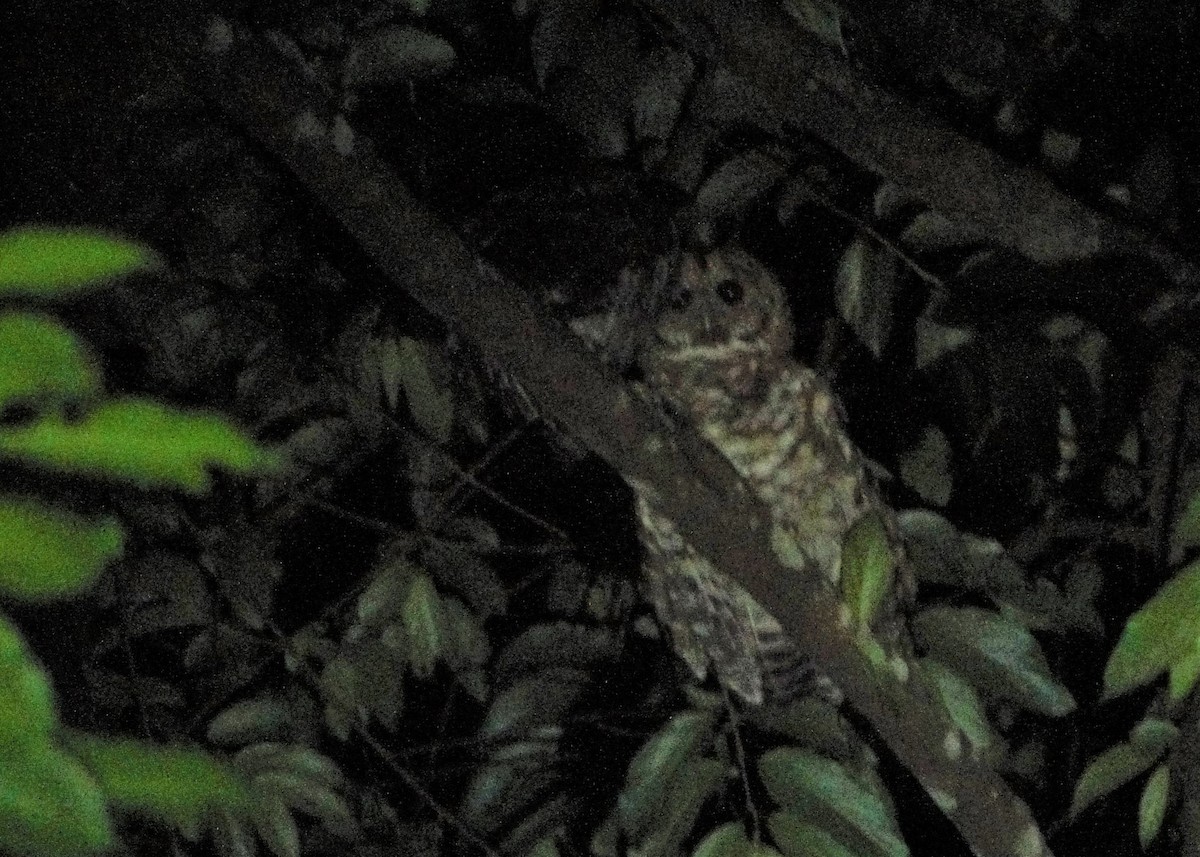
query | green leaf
(27,713)
(49,805)
(50,263)
(274,823)
(1183,674)
(694,783)
(655,769)
(1186,533)
(1158,636)
(926,467)
(797,838)
(824,793)
(1152,808)
(867,281)
(808,720)
(140,441)
(423,625)
(46,553)
(728,840)
(395,54)
(1153,734)
(963,705)
(1108,772)
(180,786)
(1000,655)
(868,568)
(250,720)
(431,403)
(42,361)
(310,796)
(542,698)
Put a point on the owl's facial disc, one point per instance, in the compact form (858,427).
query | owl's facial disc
(727,306)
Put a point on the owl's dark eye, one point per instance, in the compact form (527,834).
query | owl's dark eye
(682,299)
(730,291)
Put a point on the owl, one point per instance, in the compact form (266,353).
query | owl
(720,358)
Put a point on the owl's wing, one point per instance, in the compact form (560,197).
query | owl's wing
(714,622)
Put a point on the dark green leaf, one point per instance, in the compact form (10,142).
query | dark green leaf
(695,782)
(1152,808)
(963,705)
(274,823)
(395,54)
(1001,656)
(826,794)
(540,699)
(260,719)
(557,644)
(1108,772)
(798,838)
(657,769)
(423,625)
(866,287)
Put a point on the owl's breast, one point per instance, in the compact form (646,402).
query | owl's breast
(790,445)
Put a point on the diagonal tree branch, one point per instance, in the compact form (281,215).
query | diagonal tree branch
(283,110)
(1007,204)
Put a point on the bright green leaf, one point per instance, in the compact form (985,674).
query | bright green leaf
(48,263)
(41,361)
(1152,808)
(423,624)
(27,713)
(868,568)
(1182,675)
(47,553)
(49,805)
(180,786)
(1000,655)
(1163,632)
(829,796)
(1108,772)
(140,441)
(797,838)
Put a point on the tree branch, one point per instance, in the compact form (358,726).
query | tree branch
(285,111)
(1007,204)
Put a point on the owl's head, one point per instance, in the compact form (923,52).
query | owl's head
(726,316)
(726,306)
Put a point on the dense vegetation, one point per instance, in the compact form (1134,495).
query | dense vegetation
(396,608)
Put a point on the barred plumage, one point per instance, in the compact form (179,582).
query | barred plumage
(721,356)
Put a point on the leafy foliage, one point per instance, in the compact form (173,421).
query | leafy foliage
(413,623)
